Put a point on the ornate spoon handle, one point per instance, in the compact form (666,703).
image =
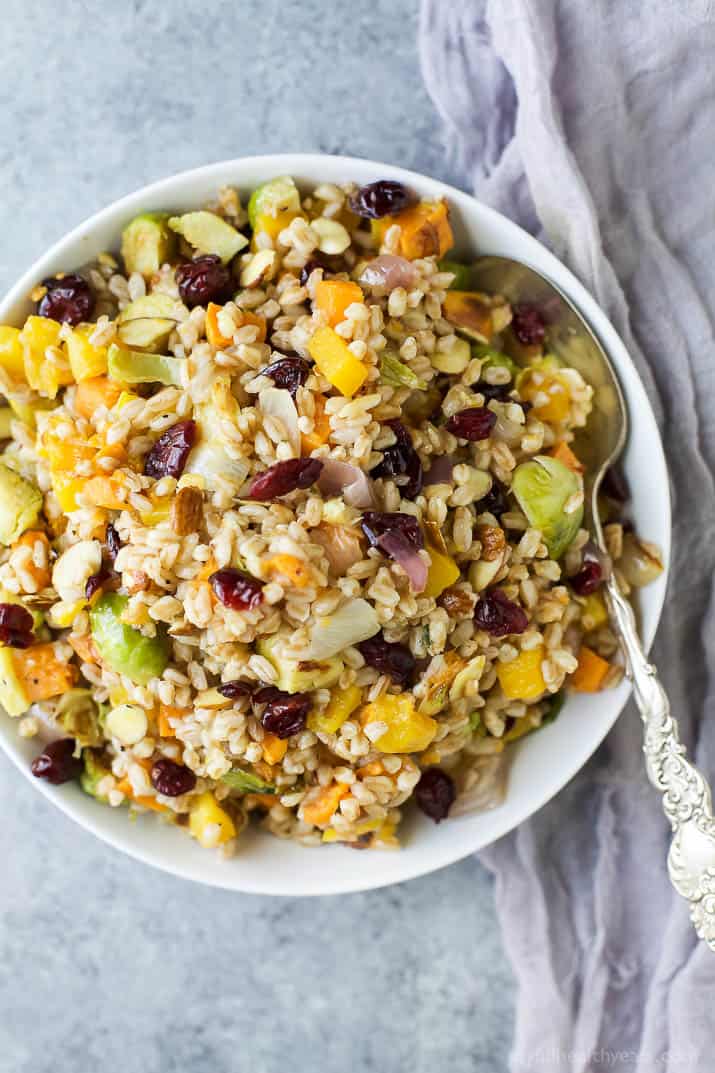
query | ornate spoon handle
(687,801)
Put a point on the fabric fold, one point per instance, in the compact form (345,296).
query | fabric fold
(588,124)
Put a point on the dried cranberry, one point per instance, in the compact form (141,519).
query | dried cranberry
(615,486)
(168,456)
(500,392)
(376,523)
(285,477)
(328,262)
(495,501)
(288,373)
(393,659)
(236,589)
(236,688)
(401,459)
(171,779)
(113,542)
(435,793)
(68,299)
(15,626)
(528,325)
(386,197)
(588,579)
(499,615)
(473,424)
(97,581)
(284,714)
(204,280)
(57,762)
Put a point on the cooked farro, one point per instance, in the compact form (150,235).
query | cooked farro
(290,522)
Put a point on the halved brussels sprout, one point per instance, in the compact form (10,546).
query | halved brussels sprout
(209,233)
(395,372)
(462,274)
(94,772)
(276,198)
(78,714)
(20,505)
(494,359)
(147,243)
(299,676)
(139,367)
(147,322)
(123,648)
(247,783)
(543,486)
(453,361)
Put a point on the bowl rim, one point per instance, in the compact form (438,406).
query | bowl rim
(289,163)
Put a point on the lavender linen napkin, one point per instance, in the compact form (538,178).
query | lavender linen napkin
(591,122)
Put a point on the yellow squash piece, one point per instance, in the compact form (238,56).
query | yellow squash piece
(549,394)
(86,359)
(13,695)
(210,825)
(46,374)
(522,678)
(443,572)
(11,357)
(337,362)
(595,612)
(342,704)
(408,731)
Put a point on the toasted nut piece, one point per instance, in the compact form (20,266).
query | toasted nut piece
(259,269)
(457,603)
(139,582)
(333,238)
(492,540)
(187,511)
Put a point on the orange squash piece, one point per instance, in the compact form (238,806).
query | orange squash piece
(42,575)
(41,673)
(425,230)
(213,332)
(590,673)
(84,647)
(167,712)
(103,492)
(310,441)
(296,570)
(563,452)
(96,392)
(321,808)
(333,296)
(274,749)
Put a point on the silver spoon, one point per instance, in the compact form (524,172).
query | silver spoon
(686,797)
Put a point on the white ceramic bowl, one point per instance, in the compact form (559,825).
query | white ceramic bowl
(544,762)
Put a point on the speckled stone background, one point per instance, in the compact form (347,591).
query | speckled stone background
(106,964)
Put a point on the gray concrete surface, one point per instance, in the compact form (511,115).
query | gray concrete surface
(104,963)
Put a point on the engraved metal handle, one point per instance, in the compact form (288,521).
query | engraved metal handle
(687,801)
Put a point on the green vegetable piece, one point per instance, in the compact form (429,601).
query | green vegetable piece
(491,359)
(247,783)
(277,197)
(543,487)
(123,648)
(147,243)
(94,772)
(78,715)
(395,372)
(208,233)
(20,504)
(300,677)
(475,719)
(462,275)
(139,367)
(147,322)
(13,697)
(557,702)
